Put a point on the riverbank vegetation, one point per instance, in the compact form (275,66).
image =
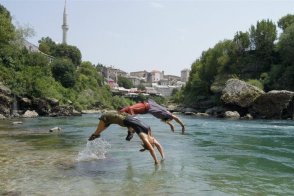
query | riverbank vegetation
(258,56)
(55,72)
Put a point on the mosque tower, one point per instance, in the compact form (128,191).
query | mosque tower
(64,25)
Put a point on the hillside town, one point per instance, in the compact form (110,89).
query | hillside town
(154,82)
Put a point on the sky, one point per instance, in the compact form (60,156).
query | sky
(137,35)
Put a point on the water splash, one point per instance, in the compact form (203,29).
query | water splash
(94,150)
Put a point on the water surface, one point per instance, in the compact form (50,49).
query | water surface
(214,157)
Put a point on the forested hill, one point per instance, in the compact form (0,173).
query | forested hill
(260,56)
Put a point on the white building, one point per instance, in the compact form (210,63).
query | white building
(155,76)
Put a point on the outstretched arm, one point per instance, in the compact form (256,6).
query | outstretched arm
(101,127)
(177,119)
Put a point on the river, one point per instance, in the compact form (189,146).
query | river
(214,157)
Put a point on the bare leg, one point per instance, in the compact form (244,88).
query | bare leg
(145,140)
(171,126)
(159,148)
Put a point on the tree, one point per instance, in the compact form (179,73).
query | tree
(286,21)
(286,50)
(241,41)
(262,36)
(262,39)
(141,87)
(47,45)
(64,71)
(124,82)
(88,77)
(286,45)
(7,30)
(70,52)
(36,59)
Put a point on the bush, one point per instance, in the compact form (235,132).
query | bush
(256,83)
(63,71)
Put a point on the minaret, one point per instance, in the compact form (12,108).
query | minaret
(64,26)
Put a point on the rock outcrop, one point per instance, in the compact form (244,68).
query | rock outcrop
(5,100)
(274,105)
(237,92)
(31,107)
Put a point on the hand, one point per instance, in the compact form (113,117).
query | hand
(93,136)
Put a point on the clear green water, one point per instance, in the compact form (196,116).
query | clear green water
(214,157)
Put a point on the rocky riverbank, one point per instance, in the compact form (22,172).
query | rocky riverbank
(239,99)
(12,106)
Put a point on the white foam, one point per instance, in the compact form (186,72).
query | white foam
(94,150)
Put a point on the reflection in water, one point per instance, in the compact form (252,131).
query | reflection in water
(215,157)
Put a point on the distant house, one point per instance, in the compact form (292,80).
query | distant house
(113,73)
(172,80)
(154,76)
(111,83)
(140,74)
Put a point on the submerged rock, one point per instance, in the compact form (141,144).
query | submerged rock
(16,122)
(55,129)
(201,114)
(2,117)
(247,117)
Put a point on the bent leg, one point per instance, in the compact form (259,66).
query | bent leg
(159,148)
(171,126)
(145,140)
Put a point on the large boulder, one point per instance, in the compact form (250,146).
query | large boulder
(274,105)
(237,92)
(5,100)
(30,114)
(231,115)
